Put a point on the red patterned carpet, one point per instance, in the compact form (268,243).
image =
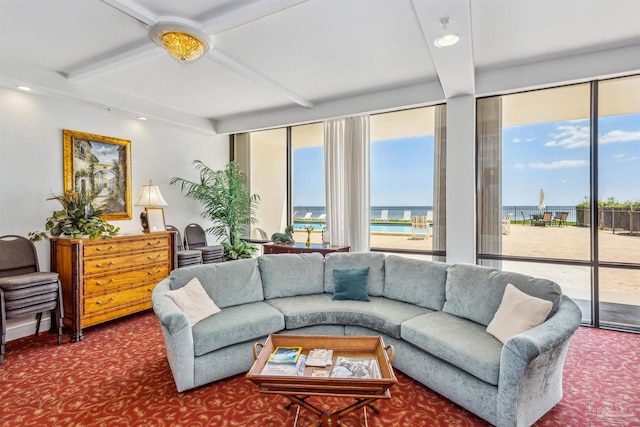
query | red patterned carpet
(119,376)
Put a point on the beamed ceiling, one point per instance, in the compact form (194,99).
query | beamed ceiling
(277,62)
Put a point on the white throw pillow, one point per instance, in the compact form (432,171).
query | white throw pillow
(194,301)
(518,312)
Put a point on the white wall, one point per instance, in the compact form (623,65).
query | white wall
(31,165)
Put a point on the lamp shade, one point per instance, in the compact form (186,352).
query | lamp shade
(150,196)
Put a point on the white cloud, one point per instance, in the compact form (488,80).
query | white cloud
(569,137)
(562,164)
(619,156)
(516,140)
(519,166)
(530,139)
(618,136)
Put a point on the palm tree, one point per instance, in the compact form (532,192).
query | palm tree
(227,203)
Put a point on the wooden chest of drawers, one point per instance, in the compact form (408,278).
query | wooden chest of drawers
(106,279)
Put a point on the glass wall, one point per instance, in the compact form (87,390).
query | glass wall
(542,158)
(618,194)
(408,159)
(308,182)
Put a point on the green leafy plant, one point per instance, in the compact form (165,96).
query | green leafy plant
(76,218)
(227,204)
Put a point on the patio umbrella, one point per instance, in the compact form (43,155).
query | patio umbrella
(541,204)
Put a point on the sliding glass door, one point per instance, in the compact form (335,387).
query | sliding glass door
(543,158)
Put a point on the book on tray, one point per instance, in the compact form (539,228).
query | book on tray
(286,355)
(355,367)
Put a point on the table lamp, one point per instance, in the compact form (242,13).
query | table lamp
(149,197)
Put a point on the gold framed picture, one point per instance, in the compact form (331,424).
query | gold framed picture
(155,219)
(100,167)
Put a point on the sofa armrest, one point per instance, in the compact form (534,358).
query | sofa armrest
(178,337)
(169,315)
(531,364)
(548,335)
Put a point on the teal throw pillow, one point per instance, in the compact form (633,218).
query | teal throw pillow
(351,283)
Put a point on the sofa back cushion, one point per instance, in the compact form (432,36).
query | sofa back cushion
(287,275)
(474,292)
(415,281)
(227,283)
(344,260)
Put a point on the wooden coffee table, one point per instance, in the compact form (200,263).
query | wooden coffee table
(299,388)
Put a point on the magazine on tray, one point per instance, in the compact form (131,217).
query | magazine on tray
(320,357)
(355,367)
(287,355)
(289,369)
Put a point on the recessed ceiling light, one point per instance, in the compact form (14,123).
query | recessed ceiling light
(142,118)
(446,40)
(25,88)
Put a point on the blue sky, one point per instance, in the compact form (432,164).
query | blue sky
(553,156)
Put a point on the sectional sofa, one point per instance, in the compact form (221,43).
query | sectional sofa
(434,314)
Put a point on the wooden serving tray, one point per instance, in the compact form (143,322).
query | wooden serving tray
(306,385)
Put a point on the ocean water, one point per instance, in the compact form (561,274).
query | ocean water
(397,212)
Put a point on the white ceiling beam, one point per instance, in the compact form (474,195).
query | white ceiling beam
(259,79)
(50,83)
(137,51)
(454,64)
(246,14)
(134,10)
(373,102)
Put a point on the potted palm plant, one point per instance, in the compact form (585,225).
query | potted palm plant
(227,204)
(77,218)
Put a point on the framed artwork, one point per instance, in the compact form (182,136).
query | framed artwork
(99,167)
(155,219)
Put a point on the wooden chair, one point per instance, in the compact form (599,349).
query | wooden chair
(24,289)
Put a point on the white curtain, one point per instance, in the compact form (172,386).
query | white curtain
(346,147)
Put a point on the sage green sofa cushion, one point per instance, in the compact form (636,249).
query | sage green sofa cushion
(474,292)
(380,314)
(415,281)
(226,283)
(285,275)
(460,342)
(342,261)
(235,325)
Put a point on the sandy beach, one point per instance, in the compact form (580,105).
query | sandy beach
(616,285)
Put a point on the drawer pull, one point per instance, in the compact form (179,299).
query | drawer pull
(110,300)
(156,272)
(102,266)
(156,257)
(156,243)
(110,248)
(99,283)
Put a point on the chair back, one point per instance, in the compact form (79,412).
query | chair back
(17,256)
(194,236)
(262,233)
(179,242)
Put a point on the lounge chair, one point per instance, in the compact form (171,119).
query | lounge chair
(384,215)
(546,219)
(418,223)
(560,218)
(322,216)
(308,215)
(506,224)
(406,216)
